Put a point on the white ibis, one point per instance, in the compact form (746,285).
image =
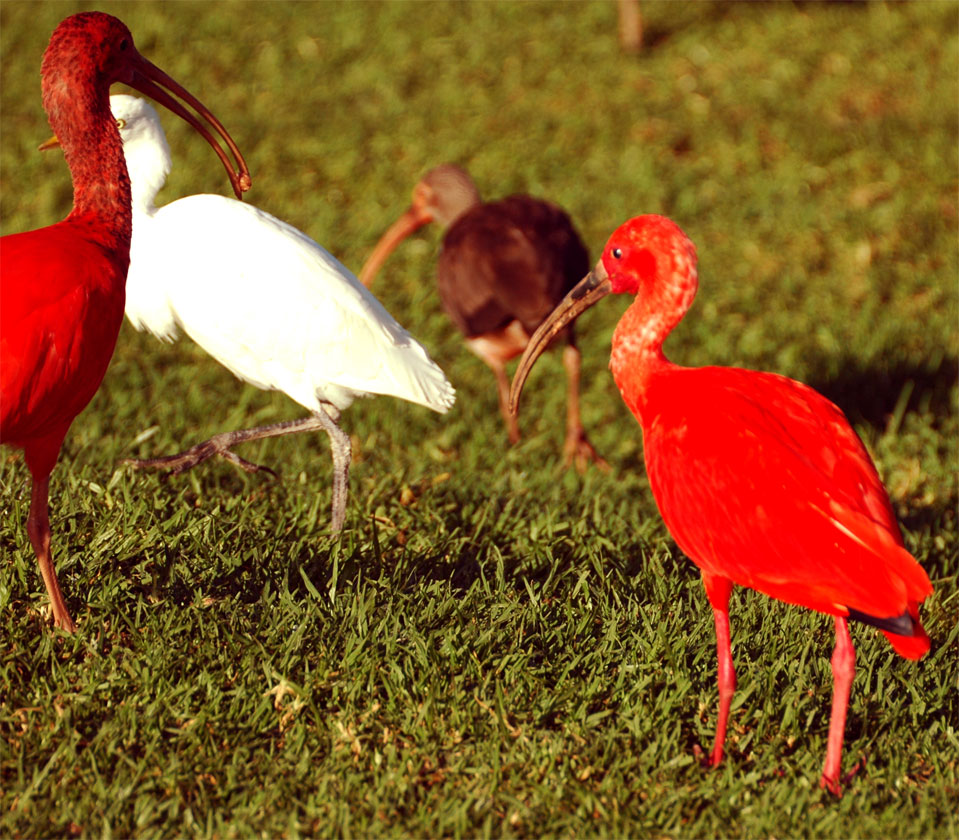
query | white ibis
(266,302)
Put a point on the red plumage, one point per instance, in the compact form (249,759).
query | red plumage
(62,287)
(61,306)
(771,451)
(759,479)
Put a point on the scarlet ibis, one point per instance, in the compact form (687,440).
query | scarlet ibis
(760,479)
(503,266)
(62,289)
(266,302)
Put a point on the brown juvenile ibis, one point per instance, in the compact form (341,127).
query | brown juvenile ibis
(504,265)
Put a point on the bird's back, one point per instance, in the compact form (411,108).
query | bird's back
(61,305)
(278,310)
(507,260)
(762,481)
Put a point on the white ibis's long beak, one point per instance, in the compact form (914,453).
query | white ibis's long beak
(147,78)
(582,296)
(413,219)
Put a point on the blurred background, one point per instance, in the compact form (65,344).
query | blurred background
(808,149)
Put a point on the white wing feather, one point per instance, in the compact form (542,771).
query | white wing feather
(272,306)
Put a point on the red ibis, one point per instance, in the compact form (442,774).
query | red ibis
(503,266)
(761,480)
(62,288)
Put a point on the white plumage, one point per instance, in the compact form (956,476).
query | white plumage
(264,300)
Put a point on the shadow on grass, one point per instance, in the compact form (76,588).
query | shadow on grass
(873,396)
(459,560)
(484,539)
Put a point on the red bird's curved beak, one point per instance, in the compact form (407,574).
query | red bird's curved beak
(413,219)
(593,287)
(147,78)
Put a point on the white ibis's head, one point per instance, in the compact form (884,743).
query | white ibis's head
(442,195)
(650,257)
(144,145)
(136,118)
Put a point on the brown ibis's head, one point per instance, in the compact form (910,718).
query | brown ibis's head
(442,195)
(86,54)
(650,257)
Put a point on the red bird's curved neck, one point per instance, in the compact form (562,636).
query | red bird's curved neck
(77,104)
(637,353)
(665,289)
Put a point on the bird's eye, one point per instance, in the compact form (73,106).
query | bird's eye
(121,123)
(617,253)
(124,44)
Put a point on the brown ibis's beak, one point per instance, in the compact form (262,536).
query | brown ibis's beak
(413,219)
(147,78)
(582,296)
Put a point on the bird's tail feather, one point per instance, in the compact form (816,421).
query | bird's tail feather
(911,646)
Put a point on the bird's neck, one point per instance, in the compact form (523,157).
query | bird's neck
(149,165)
(637,352)
(79,114)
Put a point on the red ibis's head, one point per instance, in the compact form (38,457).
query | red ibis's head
(648,256)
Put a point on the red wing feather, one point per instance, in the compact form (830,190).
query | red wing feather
(61,305)
(761,480)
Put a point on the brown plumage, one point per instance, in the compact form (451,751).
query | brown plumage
(503,267)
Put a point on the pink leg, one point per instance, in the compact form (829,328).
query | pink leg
(38,529)
(726,681)
(577,450)
(843,670)
(502,392)
(718,590)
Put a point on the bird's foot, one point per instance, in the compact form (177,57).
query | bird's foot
(218,445)
(834,786)
(707,760)
(579,452)
(63,621)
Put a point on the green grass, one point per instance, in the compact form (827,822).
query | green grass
(495,647)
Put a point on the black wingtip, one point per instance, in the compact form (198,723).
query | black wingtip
(901,625)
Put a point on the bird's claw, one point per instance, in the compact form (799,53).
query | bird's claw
(579,452)
(707,760)
(243,464)
(834,786)
(187,460)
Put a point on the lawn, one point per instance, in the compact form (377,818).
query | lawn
(496,647)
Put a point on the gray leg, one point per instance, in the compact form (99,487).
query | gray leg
(342,453)
(222,444)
